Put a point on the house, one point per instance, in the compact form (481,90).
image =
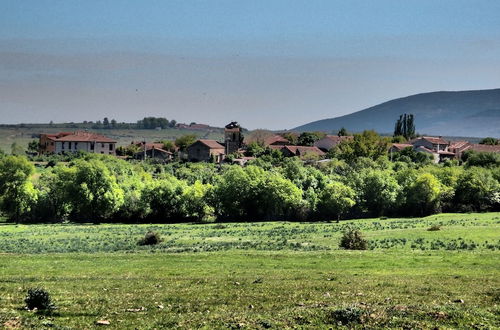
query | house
(396,147)
(299,151)
(435,146)
(78,141)
(205,150)
(276,140)
(153,152)
(330,141)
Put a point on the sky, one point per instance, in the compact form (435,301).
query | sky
(273,64)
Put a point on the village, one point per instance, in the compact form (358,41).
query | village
(234,147)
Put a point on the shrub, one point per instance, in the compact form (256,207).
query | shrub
(353,240)
(434,228)
(151,238)
(38,298)
(347,315)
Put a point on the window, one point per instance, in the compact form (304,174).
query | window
(111,147)
(69,145)
(102,145)
(92,145)
(76,144)
(63,145)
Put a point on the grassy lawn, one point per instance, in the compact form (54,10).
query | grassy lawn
(257,275)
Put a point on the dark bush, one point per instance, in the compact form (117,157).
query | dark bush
(151,238)
(434,228)
(353,240)
(38,298)
(347,315)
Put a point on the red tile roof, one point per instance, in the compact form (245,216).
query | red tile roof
(484,148)
(274,139)
(303,150)
(401,146)
(81,136)
(433,139)
(458,144)
(212,144)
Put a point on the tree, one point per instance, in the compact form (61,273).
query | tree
(477,190)
(168,145)
(308,138)
(185,141)
(489,141)
(105,122)
(336,199)
(342,132)
(367,144)
(94,193)
(165,200)
(423,195)
(34,146)
(113,123)
(17,149)
(255,149)
(17,193)
(379,191)
(405,126)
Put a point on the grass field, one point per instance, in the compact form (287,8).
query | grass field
(23,136)
(257,275)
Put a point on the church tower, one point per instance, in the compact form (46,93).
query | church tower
(232,137)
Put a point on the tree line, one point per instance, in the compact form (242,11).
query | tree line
(98,188)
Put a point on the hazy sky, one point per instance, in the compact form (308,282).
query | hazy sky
(267,64)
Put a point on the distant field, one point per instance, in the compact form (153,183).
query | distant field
(23,136)
(257,275)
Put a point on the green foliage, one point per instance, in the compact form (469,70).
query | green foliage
(165,201)
(38,298)
(93,193)
(151,238)
(378,192)
(477,190)
(352,239)
(482,159)
(490,141)
(343,132)
(367,144)
(17,149)
(348,315)
(184,141)
(336,200)
(308,138)
(423,195)
(405,126)
(17,193)
(255,149)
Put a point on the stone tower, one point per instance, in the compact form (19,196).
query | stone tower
(232,137)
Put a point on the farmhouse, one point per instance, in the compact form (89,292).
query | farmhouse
(330,141)
(299,151)
(205,150)
(66,142)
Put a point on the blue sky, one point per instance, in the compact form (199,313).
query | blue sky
(268,64)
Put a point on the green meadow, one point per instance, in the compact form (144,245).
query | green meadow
(256,275)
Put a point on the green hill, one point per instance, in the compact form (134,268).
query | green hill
(463,113)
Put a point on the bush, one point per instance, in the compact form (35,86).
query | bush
(353,240)
(151,238)
(434,228)
(347,315)
(38,298)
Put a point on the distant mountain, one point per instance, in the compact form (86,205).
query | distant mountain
(463,113)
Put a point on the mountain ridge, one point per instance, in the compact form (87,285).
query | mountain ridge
(451,113)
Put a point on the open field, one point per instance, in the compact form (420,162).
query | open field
(257,275)
(23,136)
